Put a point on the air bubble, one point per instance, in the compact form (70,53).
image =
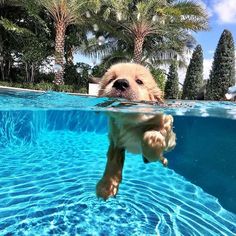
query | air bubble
(57,68)
(101,40)
(95,27)
(88,15)
(79,70)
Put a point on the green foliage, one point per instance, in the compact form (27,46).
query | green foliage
(69,11)
(159,77)
(43,86)
(10,26)
(222,74)
(27,36)
(99,70)
(194,75)
(39,86)
(78,75)
(25,41)
(84,74)
(83,90)
(5,83)
(65,88)
(164,26)
(172,83)
(71,76)
(44,78)
(46,87)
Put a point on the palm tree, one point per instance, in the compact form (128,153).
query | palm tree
(64,13)
(118,46)
(147,18)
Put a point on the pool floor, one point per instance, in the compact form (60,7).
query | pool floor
(48,187)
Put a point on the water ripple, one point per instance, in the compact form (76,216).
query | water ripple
(61,101)
(50,189)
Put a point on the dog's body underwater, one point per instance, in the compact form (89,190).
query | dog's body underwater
(149,135)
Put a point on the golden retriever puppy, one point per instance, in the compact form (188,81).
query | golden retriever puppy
(149,135)
(130,81)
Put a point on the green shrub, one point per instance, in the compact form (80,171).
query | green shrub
(83,90)
(159,77)
(65,88)
(44,78)
(4,83)
(71,76)
(44,86)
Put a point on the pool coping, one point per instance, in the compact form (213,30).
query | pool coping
(15,89)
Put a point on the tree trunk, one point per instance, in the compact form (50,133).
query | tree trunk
(32,73)
(27,72)
(2,71)
(138,49)
(59,51)
(8,73)
(69,55)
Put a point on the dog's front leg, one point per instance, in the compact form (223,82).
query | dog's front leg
(157,140)
(109,184)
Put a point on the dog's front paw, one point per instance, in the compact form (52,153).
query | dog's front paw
(153,145)
(154,139)
(107,187)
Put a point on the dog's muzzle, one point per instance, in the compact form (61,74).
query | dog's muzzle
(121,84)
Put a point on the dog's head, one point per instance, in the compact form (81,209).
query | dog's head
(130,81)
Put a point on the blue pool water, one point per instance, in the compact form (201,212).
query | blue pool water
(53,151)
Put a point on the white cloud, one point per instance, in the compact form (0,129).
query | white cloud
(225,10)
(181,74)
(207,63)
(206,7)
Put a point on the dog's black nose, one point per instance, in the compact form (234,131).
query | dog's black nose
(121,84)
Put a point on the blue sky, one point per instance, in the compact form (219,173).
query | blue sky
(222,16)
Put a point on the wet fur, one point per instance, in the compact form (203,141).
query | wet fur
(149,135)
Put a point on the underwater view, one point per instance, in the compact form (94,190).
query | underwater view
(53,152)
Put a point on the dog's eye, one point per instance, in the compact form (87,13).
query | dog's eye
(138,81)
(112,78)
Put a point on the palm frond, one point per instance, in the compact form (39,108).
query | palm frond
(69,11)
(115,57)
(93,49)
(10,26)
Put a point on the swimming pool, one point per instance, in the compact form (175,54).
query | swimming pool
(53,151)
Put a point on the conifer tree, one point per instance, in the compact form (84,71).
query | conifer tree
(222,74)
(194,75)
(172,83)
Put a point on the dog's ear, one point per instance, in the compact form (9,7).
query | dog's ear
(170,141)
(103,82)
(156,95)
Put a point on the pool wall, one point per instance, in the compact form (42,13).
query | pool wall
(205,151)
